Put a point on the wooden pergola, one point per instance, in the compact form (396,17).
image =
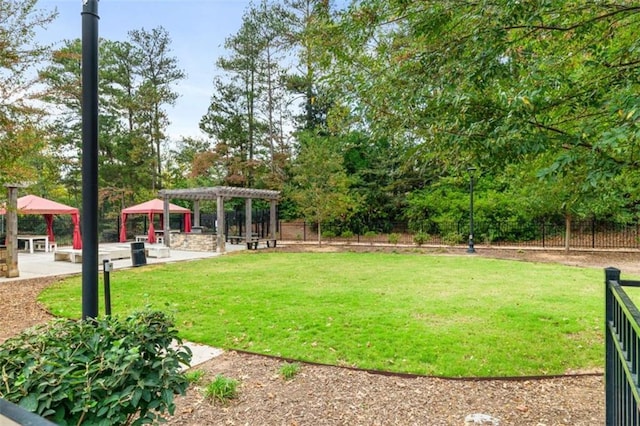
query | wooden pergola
(220,194)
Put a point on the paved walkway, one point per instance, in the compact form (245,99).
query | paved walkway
(41,264)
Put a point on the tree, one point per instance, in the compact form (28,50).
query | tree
(158,72)
(248,111)
(21,136)
(309,20)
(320,185)
(496,83)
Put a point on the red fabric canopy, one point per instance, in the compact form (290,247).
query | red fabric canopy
(31,204)
(150,208)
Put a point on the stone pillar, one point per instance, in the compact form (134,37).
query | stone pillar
(12,232)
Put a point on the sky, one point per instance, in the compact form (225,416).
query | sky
(197,29)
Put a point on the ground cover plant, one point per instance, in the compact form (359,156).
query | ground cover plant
(426,314)
(221,389)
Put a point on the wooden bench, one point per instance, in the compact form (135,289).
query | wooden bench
(235,239)
(253,244)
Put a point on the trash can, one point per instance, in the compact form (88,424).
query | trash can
(138,257)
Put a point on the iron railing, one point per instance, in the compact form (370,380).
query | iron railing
(622,349)
(585,234)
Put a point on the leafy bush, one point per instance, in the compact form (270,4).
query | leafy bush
(453,238)
(222,389)
(100,372)
(347,234)
(394,238)
(328,234)
(420,238)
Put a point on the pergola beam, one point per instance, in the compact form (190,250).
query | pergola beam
(213,193)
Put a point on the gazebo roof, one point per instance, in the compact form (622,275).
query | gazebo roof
(154,206)
(32,204)
(212,193)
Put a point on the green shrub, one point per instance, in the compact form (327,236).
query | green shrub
(453,238)
(347,234)
(370,234)
(102,372)
(288,370)
(420,238)
(328,234)
(222,389)
(394,238)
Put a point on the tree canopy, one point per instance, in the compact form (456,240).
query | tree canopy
(391,101)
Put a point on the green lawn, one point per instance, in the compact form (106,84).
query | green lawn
(442,315)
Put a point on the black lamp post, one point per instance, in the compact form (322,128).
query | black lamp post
(471,171)
(89,159)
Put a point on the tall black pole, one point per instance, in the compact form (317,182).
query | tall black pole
(89,159)
(471,249)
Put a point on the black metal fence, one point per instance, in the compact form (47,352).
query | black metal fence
(622,347)
(545,234)
(584,234)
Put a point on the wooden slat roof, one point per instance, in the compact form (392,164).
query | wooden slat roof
(212,193)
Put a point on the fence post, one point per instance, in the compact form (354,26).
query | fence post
(610,274)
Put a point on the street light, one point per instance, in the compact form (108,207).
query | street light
(471,171)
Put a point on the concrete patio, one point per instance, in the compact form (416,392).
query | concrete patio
(41,264)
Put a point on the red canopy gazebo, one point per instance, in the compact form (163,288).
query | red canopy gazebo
(32,204)
(150,208)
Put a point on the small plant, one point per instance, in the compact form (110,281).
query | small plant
(453,238)
(222,389)
(288,370)
(328,234)
(347,234)
(394,238)
(370,235)
(194,376)
(420,238)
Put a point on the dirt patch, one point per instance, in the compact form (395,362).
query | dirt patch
(326,395)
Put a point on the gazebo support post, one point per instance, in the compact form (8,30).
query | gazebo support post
(220,243)
(272,219)
(165,225)
(12,232)
(247,221)
(196,213)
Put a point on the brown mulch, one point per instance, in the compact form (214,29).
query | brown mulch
(327,395)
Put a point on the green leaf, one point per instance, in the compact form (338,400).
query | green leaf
(30,403)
